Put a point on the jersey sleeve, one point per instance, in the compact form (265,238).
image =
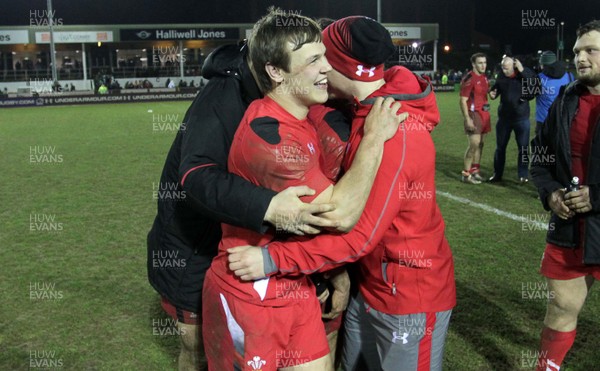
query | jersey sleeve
(277,156)
(327,251)
(333,130)
(466,86)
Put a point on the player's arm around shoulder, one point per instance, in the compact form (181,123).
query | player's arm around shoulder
(350,194)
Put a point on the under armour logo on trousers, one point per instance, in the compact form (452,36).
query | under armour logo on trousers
(403,337)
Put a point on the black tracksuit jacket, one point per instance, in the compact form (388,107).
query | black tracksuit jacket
(187,228)
(549,176)
(515,94)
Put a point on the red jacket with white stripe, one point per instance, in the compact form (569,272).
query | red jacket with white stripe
(404,258)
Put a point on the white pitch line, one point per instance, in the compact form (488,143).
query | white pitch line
(485,207)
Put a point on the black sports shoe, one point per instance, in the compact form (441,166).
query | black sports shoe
(495,179)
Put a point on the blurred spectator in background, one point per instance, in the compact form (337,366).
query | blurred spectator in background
(444,78)
(514,86)
(102,89)
(114,85)
(554,75)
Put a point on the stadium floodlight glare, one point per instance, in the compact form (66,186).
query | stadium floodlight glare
(415,44)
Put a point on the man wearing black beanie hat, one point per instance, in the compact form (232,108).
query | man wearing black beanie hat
(405,270)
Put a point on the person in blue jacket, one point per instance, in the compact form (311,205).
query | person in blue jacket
(554,75)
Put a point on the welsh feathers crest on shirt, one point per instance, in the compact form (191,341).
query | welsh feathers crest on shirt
(256,363)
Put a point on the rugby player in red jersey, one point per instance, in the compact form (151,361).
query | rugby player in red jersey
(475,110)
(276,323)
(405,268)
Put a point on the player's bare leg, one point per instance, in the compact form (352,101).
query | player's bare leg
(477,159)
(191,357)
(566,300)
(479,152)
(472,155)
(332,339)
(321,364)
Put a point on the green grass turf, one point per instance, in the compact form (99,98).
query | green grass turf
(100,193)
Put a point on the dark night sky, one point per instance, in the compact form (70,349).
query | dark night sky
(500,20)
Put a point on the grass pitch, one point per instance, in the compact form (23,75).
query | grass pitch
(77,201)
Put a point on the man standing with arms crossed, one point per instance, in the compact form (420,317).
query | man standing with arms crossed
(571,136)
(475,110)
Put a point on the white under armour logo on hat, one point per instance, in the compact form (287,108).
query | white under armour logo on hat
(360,69)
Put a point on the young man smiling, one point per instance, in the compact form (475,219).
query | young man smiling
(275,323)
(404,271)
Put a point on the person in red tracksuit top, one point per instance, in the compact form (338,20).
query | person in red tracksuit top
(276,322)
(406,287)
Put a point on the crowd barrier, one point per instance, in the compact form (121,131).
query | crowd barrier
(443,88)
(141,95)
